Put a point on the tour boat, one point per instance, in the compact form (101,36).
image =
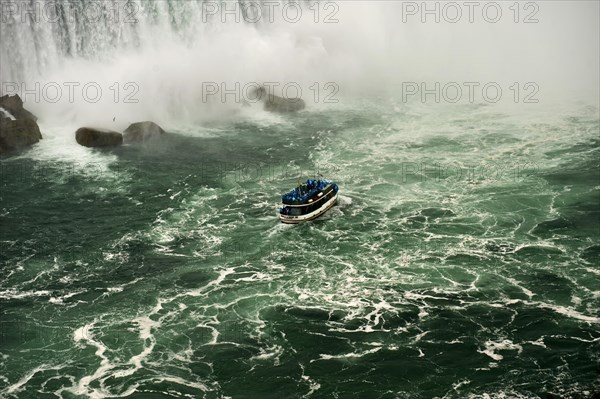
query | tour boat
(308,201)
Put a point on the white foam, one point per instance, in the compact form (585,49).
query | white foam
(60,299)
(459,384)
(145,325)
(272,352)
(344,200)
(518,284)
(351,355)
(492,347)
(181,381)
(255,277)
(15,294)
(17,386)
(418,337)
(565,311)
(538,342)
(85,334)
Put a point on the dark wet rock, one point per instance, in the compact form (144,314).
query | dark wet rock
(278,104)
(18,134)
(552,396)
(18,127)
(284,105)
(140,132)
(14,105)
(92,137)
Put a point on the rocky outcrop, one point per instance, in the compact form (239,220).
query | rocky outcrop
(14,105)
(93,137)
(284,105)
(275,103)
(141,132)
(17,134)
(18,127)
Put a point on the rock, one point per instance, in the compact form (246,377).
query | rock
(142,131)
(92,137)
(6,115)
(14,105)
(275,103)
(18,127)
(17,134)
(284,105)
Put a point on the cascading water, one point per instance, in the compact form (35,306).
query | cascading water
(167,50)
(38,35)
(164,50)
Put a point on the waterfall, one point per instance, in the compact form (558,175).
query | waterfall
(160,53)
(37,34)
(153,59)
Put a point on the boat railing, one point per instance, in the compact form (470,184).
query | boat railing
(325,192)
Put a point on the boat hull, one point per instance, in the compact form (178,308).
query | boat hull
(312,215)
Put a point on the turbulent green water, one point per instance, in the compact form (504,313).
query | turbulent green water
(461,261)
